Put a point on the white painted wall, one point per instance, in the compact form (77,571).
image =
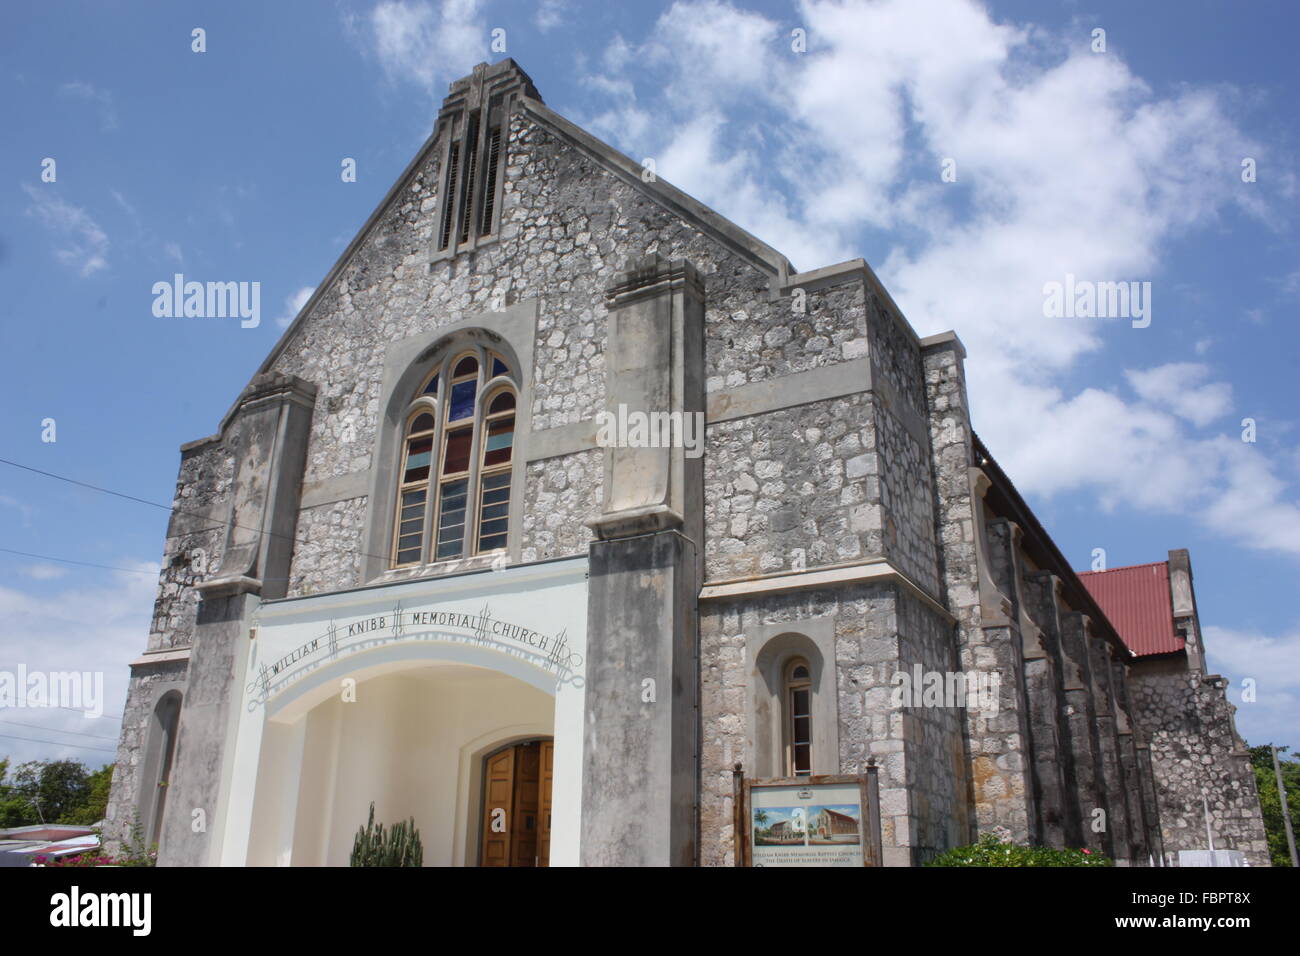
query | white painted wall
(430,704)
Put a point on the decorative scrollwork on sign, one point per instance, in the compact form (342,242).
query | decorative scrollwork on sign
(550,653)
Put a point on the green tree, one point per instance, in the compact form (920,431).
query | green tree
(95,806)
(1271,802)
(57,788)
(16,809)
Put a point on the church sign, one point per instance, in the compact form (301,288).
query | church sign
(550,652)
(831,820)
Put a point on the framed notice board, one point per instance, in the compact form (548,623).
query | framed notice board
(808,821)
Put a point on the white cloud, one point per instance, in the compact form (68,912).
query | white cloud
(44,572)
(101,98)
(1180,387)
(1067,163)
(82,244)
(52,632)
(293,305)
(1273,663)
(424,43)
(550,14)
(21,507)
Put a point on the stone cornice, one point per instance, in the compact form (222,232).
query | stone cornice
(653,276)
(872,569)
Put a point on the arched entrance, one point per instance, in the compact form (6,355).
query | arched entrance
(395,696)
(516,818)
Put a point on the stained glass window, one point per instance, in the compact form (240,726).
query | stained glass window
(454,492)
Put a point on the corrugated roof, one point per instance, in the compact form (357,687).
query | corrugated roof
(1137,602)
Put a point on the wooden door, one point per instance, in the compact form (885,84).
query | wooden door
(544,812)
(524,844)
(516,821)
(498,799)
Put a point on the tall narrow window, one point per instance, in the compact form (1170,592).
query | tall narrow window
(458,437)
(417,462)
(798,714)
(498,447)
(453,495)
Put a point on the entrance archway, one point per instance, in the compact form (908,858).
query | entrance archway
(403,738)
(516,817)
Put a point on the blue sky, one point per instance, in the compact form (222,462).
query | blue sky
(1122,165)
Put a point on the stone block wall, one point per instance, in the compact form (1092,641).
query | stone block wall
(137,717)
(791,487)
(1187,720)
(197,524)
(878,629)
(938,782)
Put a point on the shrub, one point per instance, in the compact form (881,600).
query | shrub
(133,852)
(990,851)
(400,846)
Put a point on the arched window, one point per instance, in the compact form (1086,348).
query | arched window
(453,495)
(798,718)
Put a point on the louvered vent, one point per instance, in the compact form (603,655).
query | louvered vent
(449,204)
(490,185)
(471,174)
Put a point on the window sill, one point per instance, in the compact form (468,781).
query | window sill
(479,562)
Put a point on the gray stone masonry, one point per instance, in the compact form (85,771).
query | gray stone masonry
(126,804)
(1000,771)
(1108,744)
(1058,801)
(878,631)
(1197,757)
(1139,845)
(641,769)
(1081,710)
(838,446)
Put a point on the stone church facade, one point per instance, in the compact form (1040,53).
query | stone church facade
(411,568)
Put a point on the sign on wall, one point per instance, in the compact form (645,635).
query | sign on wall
(809,821)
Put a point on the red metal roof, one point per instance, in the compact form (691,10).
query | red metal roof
(1137,602)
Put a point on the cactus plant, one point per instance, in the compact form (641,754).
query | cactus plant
(400,846)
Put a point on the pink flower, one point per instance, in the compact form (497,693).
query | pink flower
(1089,852)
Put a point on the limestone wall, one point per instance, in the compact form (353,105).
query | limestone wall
(791,487)
(1195,750)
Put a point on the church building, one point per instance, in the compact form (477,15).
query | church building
(565,507)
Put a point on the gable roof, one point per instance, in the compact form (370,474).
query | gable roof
(722,230)
(782,275)
(1137,601)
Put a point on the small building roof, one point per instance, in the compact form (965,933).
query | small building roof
(1137,601)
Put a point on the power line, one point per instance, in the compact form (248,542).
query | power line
(57,730)
(293,538)
(84,564)
(91,716)
(58,743)
(82,484)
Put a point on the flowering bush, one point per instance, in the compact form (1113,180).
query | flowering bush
(990,851)
(134,853)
